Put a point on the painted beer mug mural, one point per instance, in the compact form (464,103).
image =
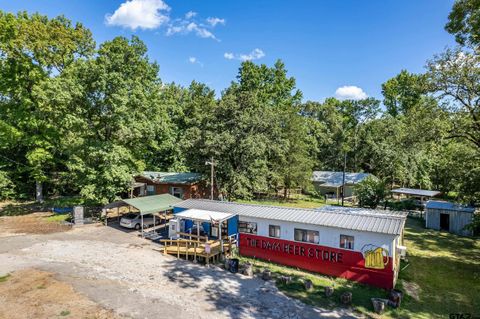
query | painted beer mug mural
(375,257)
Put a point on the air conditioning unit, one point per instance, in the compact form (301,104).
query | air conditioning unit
(402,250)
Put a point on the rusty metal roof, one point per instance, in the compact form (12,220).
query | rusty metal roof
(370,220)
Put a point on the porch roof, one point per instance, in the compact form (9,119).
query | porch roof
(204,215)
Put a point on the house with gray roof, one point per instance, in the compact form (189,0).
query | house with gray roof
(330,183)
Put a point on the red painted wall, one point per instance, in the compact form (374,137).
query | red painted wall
(325,260)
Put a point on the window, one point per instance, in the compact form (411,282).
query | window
(247,227)
(150,189)
(177,192)
(274,231)
(308,236)
(346,242)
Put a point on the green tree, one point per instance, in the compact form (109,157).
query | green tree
(464,22)
(455,76)
(7,188)
(257,131)
(370,192)
(403,92)
(33,50)
(110,111)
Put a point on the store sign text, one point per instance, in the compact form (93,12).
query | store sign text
(296,249)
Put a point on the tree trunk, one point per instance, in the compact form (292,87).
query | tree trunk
(38,191)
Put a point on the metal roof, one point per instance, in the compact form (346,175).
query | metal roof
(153,204)
(173,177)
(204,215)
(335,179)
(417,192)
(432,204)
(386,222)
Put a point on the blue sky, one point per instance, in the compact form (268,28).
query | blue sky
(325,45)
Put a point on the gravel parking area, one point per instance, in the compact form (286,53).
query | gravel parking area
(127,275)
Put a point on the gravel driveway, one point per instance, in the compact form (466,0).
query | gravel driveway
(124,273)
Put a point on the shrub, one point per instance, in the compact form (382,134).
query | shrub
(7,188)
(370,192)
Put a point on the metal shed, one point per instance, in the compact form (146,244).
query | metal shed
(449,216)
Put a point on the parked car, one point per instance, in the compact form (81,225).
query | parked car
(133,220)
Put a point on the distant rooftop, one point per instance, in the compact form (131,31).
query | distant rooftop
(440,205)
(335,179)
(172,177)
(416,192)
(377,221)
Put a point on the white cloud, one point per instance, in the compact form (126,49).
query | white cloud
(350,92)
(213,21)
(143,14)
(254,55)
(194,60)
(186,27)
(190,14)
(229,56)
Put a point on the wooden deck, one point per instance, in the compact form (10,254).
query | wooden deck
(197,247)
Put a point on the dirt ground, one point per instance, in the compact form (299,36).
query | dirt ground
(31,293)
(109,268)
(36,223)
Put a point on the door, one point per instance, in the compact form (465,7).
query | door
(445,222)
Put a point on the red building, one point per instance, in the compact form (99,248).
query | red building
(181,185)
(363,245)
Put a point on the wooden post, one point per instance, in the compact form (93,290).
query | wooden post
(178,248)
(186,249)
(195,245)
(221,237)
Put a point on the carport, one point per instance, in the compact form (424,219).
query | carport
(423,194)
(152,205)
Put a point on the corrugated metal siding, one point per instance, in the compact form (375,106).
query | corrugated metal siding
(457,220)
(348,218)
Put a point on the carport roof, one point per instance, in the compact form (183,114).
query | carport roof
(153,204)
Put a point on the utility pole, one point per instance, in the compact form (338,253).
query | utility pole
(212,164)
(343,181)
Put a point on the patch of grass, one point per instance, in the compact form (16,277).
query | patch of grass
(58,218)
(17,208)
(41,287)
(4,278)
(64,313)
(361,294)
(446,268)
(298,203)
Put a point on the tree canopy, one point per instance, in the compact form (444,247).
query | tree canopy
(84,119)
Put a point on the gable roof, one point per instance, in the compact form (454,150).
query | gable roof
(335,179)
(153,204)
(173,177)
(440,205)
(385,222)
